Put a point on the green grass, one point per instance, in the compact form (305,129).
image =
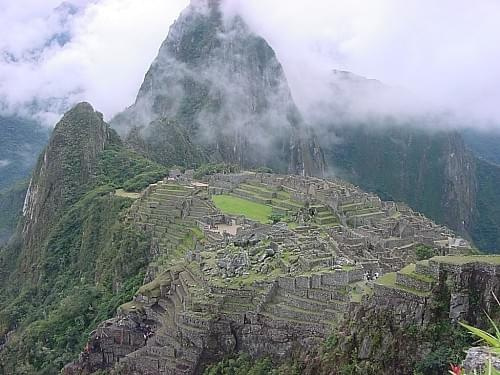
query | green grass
(237,206)
(410,271)
(389,280)
(461,260)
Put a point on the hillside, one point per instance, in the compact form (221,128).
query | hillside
(74,259)
(11,204)
(190,278)
(485,144)
(21,141)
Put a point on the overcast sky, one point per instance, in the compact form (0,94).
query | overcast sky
(446,51)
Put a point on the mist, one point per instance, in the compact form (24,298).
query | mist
(433,56)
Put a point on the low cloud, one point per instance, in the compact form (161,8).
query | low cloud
(445,53)
(4,163)
(59,53)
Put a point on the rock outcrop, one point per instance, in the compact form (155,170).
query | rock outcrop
(217,92)
(479,359)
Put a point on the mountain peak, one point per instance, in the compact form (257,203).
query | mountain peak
(64,170)
(227,92)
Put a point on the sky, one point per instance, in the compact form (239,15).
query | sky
(446,53)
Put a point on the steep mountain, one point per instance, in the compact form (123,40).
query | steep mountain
(484,144)
(74,258)
(62,174)
(21,141)
(11,205)
(216,92)
(408,158)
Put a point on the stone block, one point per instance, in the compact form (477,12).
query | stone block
(303,282)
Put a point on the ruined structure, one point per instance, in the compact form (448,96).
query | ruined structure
(222,283)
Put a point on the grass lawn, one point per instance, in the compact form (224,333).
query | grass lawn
(237,206)
(410,271)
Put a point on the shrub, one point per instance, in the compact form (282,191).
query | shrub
(425,252)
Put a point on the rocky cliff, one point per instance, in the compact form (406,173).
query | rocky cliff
(217,92)
(409,324)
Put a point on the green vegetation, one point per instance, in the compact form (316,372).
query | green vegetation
(243,364)
(389,280)
(124,194)
(87,255)
(424,252)
(238,206)
(410,271)
(91,261)
(21,141)
(406,153)
(276,218)
(414,162)
(127,169)
(485,231)
(168,142)
(11,205)
(489,339)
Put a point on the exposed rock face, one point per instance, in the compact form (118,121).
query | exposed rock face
(461,186)
(62,174)
(160,336)
(479,358)
(225,97)
(379,333)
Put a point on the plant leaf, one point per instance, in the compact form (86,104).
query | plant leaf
(483,335)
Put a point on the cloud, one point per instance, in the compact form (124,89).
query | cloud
(444,52)
(4,163)
(96,51)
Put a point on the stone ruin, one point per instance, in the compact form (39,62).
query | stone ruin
(220,283)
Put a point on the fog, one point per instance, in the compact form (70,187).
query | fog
(435,56)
